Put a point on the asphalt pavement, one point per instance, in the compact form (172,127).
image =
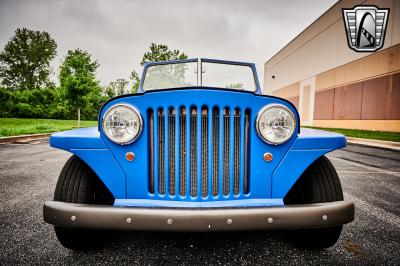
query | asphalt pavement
(370,177)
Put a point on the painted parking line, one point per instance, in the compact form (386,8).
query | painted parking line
(377,212)
(371,168)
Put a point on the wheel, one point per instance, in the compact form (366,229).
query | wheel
(79,184)
(319,183)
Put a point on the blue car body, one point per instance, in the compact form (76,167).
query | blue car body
(266,183)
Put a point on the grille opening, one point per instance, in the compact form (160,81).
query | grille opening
(236,151)
(246,159)
(204,151)
(215,152)
(171,151)
(226,152)
(182,151)
(193,151)
(161,151)
(150,116)
(208,129)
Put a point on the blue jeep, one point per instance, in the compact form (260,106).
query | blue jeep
(198,149)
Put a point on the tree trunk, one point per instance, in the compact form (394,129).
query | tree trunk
(79,117)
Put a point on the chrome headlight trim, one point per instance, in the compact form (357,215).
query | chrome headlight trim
(132,108)
(270,106)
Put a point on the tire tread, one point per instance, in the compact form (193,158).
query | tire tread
(320,183)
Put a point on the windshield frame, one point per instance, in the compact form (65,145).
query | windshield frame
(257,88)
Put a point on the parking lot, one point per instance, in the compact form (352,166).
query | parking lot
(370,178)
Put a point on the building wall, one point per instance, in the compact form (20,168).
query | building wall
(333,86)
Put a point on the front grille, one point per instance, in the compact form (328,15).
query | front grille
(199,152)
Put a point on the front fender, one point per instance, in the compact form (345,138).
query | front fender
(309,146)
(89,147)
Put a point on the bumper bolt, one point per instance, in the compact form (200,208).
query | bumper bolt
(170,221)
(270,220)
(73,218)
(229,221)
(128,220)
(324,217)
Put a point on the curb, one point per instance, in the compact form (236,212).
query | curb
(23,138)
(391,145)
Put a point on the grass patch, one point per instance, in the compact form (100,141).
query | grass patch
(25,126)
(365,134)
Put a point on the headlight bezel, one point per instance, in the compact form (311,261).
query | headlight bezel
(132,108)
(270,106)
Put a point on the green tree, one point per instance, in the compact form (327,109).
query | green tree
(234,86)
(119,86)
(25,60)
(77,78)
(161,52)
(134,77)
(108,92)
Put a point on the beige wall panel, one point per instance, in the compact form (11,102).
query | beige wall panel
(326,80)
(294,101)
(374,98)
(377,125)
(347,104)
(306,103)
(393,106)
(323,106)
(288,91)
(376,64)
(394,58)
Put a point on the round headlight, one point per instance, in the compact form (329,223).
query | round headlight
(275,123)
(122,123)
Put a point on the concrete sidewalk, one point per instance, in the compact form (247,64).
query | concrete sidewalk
(375,143)
(24,138)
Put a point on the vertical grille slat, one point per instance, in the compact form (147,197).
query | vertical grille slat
(199,151)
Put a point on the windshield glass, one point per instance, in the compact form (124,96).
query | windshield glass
(178,75)
(227,76)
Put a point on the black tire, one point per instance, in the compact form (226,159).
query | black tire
(79,184)
(319,183)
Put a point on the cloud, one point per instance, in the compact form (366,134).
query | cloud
(117,33)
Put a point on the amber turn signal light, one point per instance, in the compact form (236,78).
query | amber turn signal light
(267,157)
(130,156)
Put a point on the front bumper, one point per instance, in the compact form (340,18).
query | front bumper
(73,215)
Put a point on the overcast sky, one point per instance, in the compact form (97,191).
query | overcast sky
(117,33)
